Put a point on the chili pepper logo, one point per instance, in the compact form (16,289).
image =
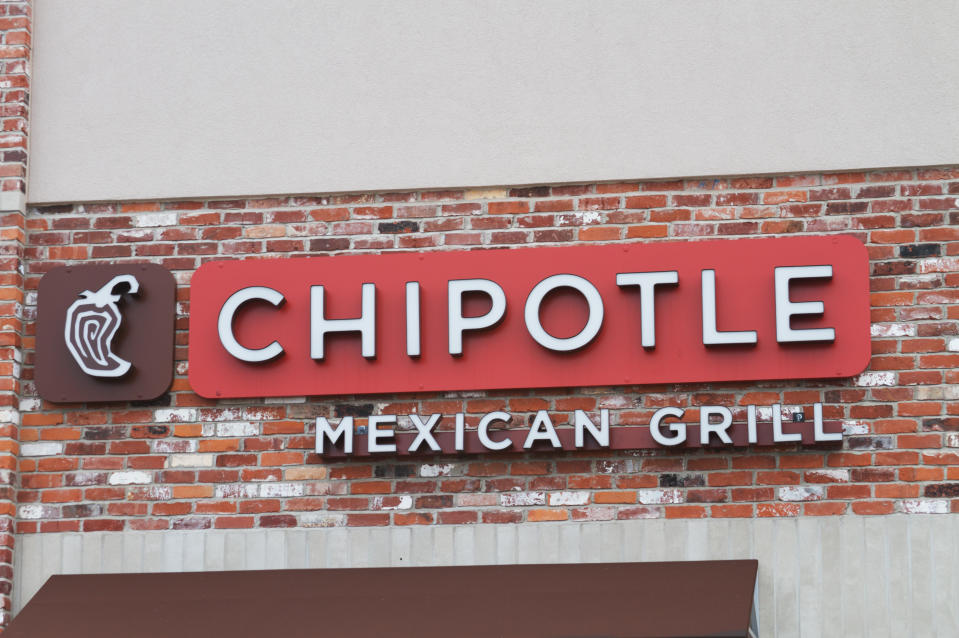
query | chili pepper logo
(92,321)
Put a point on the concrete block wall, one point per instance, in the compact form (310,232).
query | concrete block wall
(818,576)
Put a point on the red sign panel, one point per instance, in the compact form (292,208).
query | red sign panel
(672,312)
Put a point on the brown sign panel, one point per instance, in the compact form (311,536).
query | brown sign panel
(695,599)
(105,333)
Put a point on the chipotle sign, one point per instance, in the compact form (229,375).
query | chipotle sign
(105,332)
(671,312)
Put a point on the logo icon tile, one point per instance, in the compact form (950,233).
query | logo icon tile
(105,333)
(92,321)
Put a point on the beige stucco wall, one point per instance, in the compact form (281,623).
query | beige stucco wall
(138,100)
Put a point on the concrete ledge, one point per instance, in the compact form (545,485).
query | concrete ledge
(12,201)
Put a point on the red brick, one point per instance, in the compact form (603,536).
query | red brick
(647,231)
(920,474)
(598,203)
(731,511)
(348,503)
(646,201)
(531,467)
(595,482)
(600,233)
(898,458)
(546,515)
(685,511)
(502,516)
(801,461)
(277,520)
(637,481)
(351,472)
(619,187)
(897,491)
(872,507)
(608,497)
(458,517)
(412,518)
(940,458)
(371,487)
(777,478)
(368,520)
(824,509)
(707,463)
(172,509)
(753,462)
(729,478)
(508,208)
(843,459)
(103,525)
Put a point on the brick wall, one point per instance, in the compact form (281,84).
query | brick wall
(15,29)
(183,462)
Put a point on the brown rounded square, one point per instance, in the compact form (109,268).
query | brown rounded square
(105,333)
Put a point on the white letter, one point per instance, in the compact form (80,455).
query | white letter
(785,309)
(679,429)
(601,436)
(323,431)
(778,435)
(224,324)
(458,323)
(817,420)
(424,432)
(712,336)
(751,422)
(706,427)
(373,440)
(647,282)
(412,318)
(541,430)
(481,430)
(460,431)
(365,324)
(593,322)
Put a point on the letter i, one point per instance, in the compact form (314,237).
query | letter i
(413,318)
(460,430)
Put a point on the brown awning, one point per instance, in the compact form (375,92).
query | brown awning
(688,599)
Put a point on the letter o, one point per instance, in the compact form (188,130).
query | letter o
(589,331)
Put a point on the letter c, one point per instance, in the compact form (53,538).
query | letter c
(225,324)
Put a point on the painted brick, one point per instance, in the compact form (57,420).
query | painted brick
(801,493)
(657,497)
(190,460)
(41,449)
(130,478)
